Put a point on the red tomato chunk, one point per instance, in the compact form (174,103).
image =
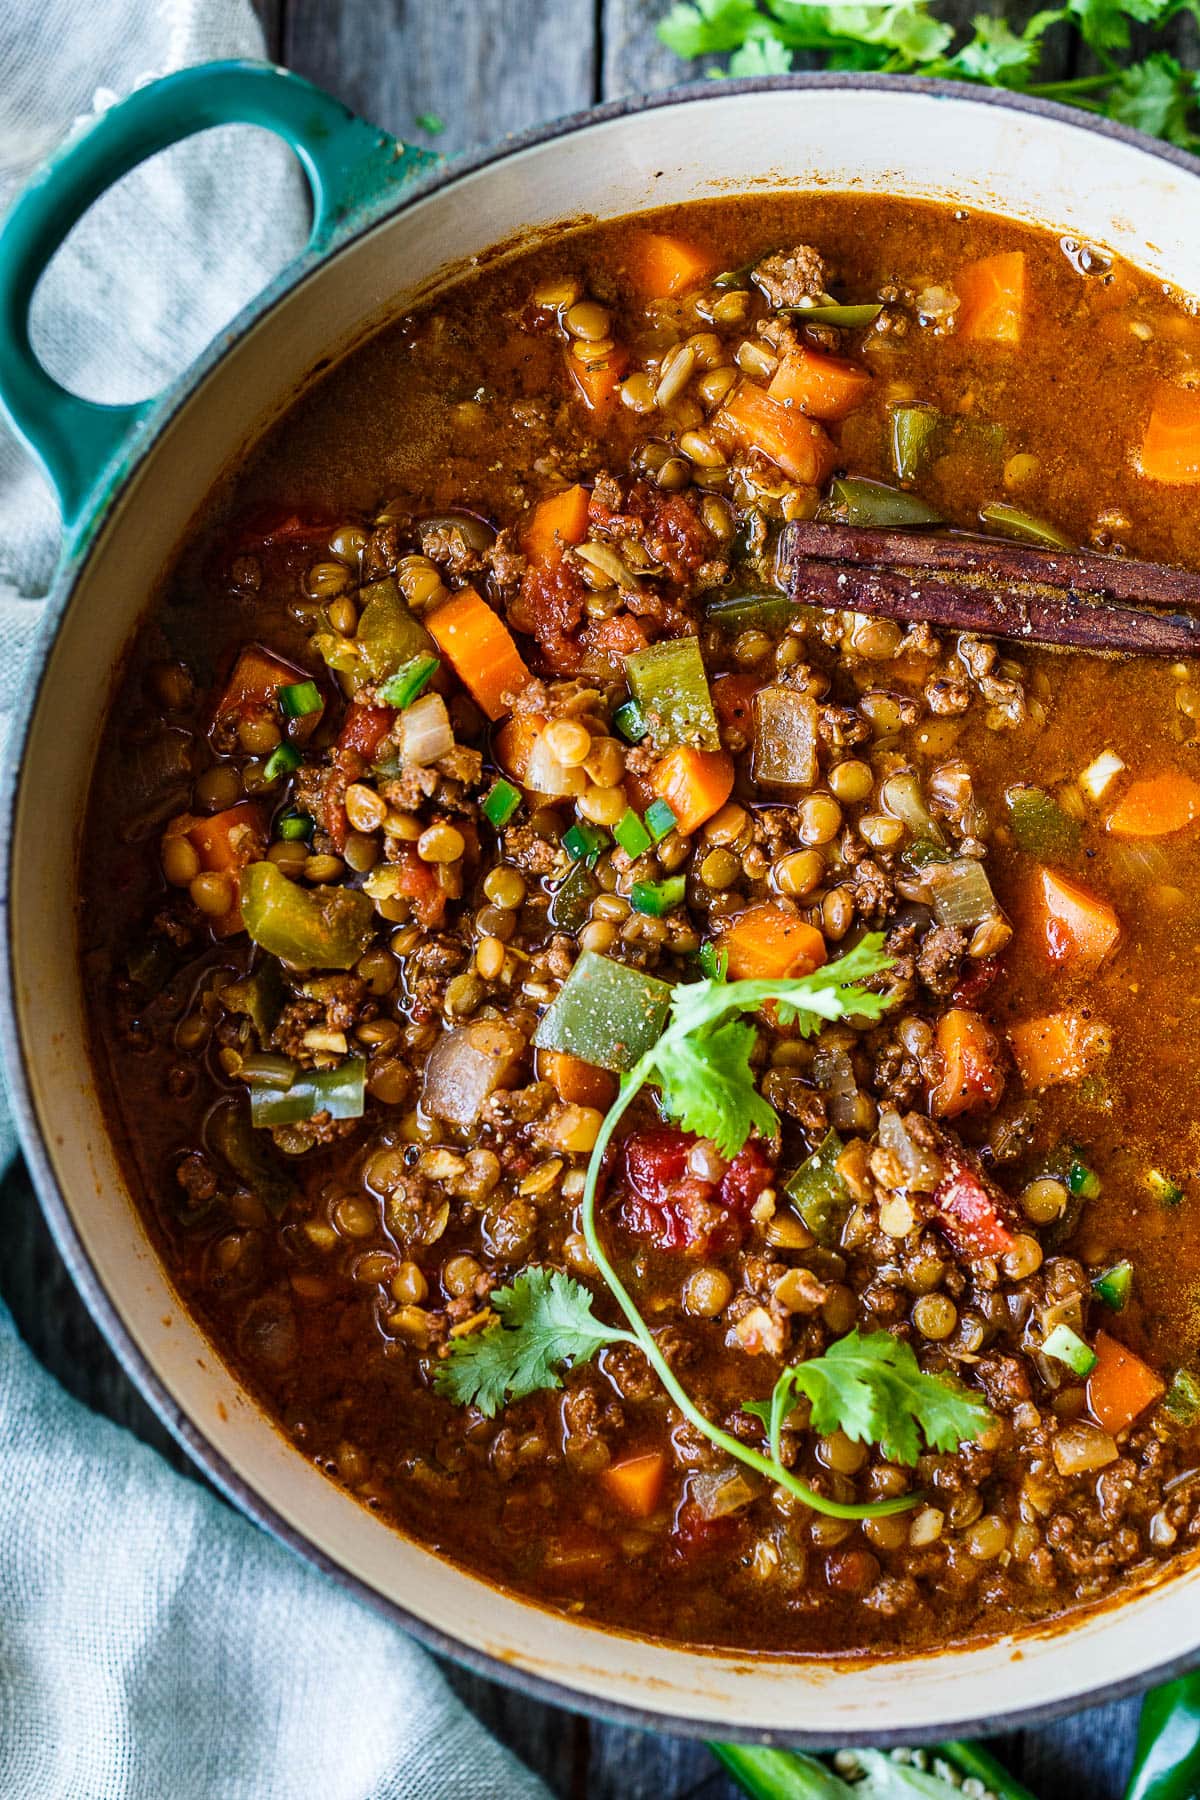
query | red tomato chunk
(679,1209)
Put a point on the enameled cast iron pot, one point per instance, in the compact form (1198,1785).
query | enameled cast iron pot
(389,226)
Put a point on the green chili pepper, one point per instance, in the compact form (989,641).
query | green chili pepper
(340,1092)
(849,317)
(1113,1285)
(714,963)
(500,803)
(408,683)
(1011,522)
(299,699)
(853,500)
(660,820)
(605,1013)
(572,899)
(669,684)
(294,827)
(630,721)
(314,928)
(229,1131)
(1165,1188)
(1181,1401)
(388,636)
(282,760)
(632,835)
(585,843)
(730,280)
(914,432)
(1166,1761)
(657,898)
(818,1193)
(259,995)
(744,612)
(1067,1347)
(1082,1181)
(1040,825)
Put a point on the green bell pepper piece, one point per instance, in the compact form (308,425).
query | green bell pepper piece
(314,928)
(1011,521)
(818,1193)
(1181,1401)
(656,898)
(632,835)
(1067,1347)
(1040,825)
(660,820)
(1113,1285)
(230,1133)
(260,995)
(605,1013)
(500,802)
(340,1092)
(744,612)
(388,635)
(572,899)
(669,684)
(914,432)
(853,500)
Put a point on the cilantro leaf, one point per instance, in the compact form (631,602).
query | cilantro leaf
(1157,96)
(709,1087)
(994,54)
(546,1324)
(872,1388)
(708,27)
(761,54)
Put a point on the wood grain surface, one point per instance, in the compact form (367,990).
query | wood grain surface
(487,67)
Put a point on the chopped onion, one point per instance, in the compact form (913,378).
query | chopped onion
(425,731)
(466,1066)
(785,738)
(718,1492)
(962,893)
(546,775)
(922,1167)
(1142,861)
(1080,1447)
(1099,775)
(901,796)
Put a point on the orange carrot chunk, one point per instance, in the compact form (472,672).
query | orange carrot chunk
(971,1078)
(225,843)
(991,299)
(576,1082)
(662,265)
(1057,1048)
(1077,927)
(824,387)
(1170,448)
(694,783)
(636,1483)
(1120,1385)
(481,650)
(252,690)
(598,381)
(513,743)
(796,444)
(1156,806)
(555,523)
(765,943)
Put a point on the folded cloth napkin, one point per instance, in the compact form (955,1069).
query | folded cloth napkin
(153,1643)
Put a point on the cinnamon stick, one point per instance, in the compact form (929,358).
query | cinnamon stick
(1075,599)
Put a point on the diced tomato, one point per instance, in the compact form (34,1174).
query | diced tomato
(733,697)
(695,1535)
(419,883)
(669,526)
(678,1210)
(265,528)
(976,982)
(364,729)
(974,1215)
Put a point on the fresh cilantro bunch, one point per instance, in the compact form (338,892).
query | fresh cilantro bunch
(702,1065)
(763,37)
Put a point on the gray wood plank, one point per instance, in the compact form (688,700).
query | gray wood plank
(484,67)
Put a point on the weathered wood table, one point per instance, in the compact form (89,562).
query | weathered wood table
(485,68)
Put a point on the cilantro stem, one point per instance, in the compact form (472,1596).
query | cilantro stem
(770,1466)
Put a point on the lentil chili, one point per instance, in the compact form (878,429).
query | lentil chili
(473,722)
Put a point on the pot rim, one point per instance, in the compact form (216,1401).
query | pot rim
(102,1307)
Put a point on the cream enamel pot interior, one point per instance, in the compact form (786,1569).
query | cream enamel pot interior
(379,247)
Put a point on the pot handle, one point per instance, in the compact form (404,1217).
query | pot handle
(348,164)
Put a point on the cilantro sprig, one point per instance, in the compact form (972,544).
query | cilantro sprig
(763,37)
(871,1386)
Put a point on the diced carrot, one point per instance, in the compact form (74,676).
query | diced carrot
(481,649)
(991,299)
(555,522)
(253,689)
(765,943)
(636,1483)
(418,882)
(694,783)
(1078,927)
(971,1078)
(1156,806)
(661,265)
(794,443)
(733,698)
(824,387)
(598,381)
(1057,1048)
(1120,1386)
(577,1083)
(225,843)
(1170,448)
(365,728)
(513,743)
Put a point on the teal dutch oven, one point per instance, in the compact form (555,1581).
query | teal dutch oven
(389,227)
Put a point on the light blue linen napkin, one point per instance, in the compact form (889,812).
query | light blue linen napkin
(153,1644)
